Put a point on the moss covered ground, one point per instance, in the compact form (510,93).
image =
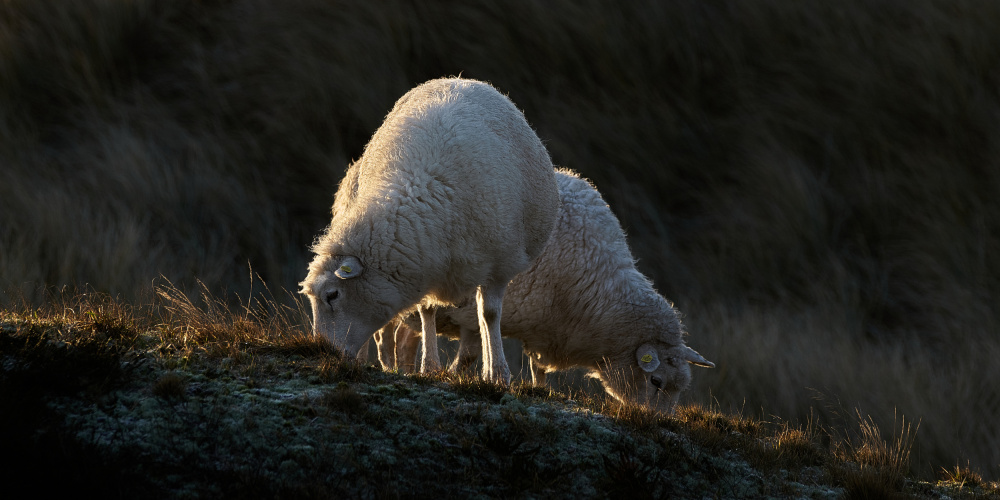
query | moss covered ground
(103,398)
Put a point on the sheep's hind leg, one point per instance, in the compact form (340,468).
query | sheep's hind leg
(431,359)
(386,347)
(537,370)
(407,345)
(469,348)
(489,300)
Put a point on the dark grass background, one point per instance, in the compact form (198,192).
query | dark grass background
(814,183)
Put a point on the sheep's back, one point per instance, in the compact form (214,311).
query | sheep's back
(454,189)
(568,301)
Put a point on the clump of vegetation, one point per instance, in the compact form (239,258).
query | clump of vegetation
(343,398)
(874,467)
(170,385)
(475,386)
(962,475)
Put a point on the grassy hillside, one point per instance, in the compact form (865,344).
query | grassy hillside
(815,184)
(181,399)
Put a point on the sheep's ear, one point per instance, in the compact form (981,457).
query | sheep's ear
(647,357)
(350,267)
(691,356)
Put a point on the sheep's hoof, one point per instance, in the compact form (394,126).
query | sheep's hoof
(430,367)
(502,378)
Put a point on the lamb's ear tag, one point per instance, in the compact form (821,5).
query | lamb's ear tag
(647,358)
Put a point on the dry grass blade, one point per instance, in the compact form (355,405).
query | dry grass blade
(212,325)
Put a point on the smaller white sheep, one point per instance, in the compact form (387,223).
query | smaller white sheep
(453,196)
(582,304)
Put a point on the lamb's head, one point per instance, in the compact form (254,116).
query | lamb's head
(349,302)
(654,377)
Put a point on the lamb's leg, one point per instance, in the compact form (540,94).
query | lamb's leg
(363,353)
(489,299)
(407,345)
(431,358)
(537,371)
(386,346)
(469,348)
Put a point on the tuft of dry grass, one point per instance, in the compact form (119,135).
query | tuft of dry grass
(259,325)
(474,385)
(962,475)
(76,341)
(335,368)
(526,389)
(872,466)
(792,447)
(631,415)
(966,482)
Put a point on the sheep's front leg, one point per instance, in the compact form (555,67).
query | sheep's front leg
(469,348)
(431,360)
(537,370)
(489,300)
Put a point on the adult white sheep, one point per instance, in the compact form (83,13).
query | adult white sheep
(583,303)
(454,195)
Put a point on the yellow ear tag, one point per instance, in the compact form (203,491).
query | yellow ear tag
(346,269)
(647,358)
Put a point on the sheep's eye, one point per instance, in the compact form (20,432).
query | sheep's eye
(657,381)
(332,297)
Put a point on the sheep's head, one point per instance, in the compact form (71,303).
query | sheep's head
(656,377)
(348,303)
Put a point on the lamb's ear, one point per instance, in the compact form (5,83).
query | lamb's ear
(350,267)
(647,357)
(691,356)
